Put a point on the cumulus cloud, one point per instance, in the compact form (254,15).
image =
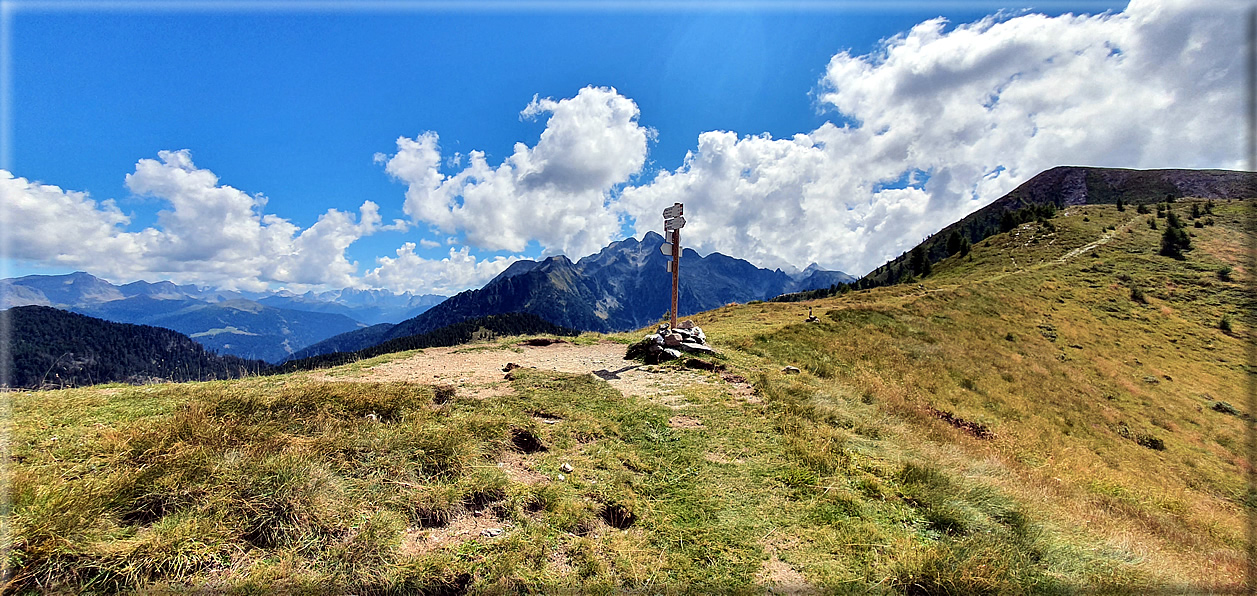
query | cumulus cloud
(210,233)
(45,223)
(973,110)
(557,193)
(457,272)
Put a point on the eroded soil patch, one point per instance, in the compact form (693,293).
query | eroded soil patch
(480,373)
(688,422)
(421,541)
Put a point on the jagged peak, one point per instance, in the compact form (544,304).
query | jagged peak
(557,261)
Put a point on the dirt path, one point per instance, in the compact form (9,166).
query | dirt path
(480,372)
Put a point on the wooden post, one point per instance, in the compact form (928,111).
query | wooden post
(676,274)
(672,224)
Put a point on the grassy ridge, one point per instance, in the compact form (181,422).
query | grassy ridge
(1016,423)
(1105,409)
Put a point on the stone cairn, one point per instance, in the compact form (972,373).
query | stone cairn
(669,344)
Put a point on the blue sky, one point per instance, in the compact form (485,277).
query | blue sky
(306,108)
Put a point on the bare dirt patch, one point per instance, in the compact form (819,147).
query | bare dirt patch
(688,422)
(518,469)
(740,388)
(557,564)
(421,541)
(781,578)
(777,576)
(466,368)
(479,373)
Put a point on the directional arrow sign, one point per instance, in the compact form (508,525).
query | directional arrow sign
(675,223)
(674,211)
(666,249)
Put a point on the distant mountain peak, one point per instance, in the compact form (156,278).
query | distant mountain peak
(623,286)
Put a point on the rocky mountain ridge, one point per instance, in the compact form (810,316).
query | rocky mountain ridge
(624,286)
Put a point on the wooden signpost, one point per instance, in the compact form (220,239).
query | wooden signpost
(672,224)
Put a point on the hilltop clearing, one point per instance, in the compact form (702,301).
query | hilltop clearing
(481,371)
(1057,411)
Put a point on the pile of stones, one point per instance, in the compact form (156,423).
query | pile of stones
(669,344)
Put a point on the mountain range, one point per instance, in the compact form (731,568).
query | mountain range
(253,325)
(624,286)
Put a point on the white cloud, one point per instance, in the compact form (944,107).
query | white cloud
(981,108)
(459,271)
(67,228)
(557,193)
(210,234)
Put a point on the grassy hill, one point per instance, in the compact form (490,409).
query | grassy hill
(1058,411)
(1067,186)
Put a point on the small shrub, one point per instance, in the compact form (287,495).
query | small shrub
(1010,337)
(1150,442)
(1199,224)
(1152,223)
(443,393)
(1142,209)
(1224,273)
(1225,324)
(1120,205)
(1225,408)
(1137,295)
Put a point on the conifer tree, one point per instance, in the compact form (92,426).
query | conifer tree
(953,242)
